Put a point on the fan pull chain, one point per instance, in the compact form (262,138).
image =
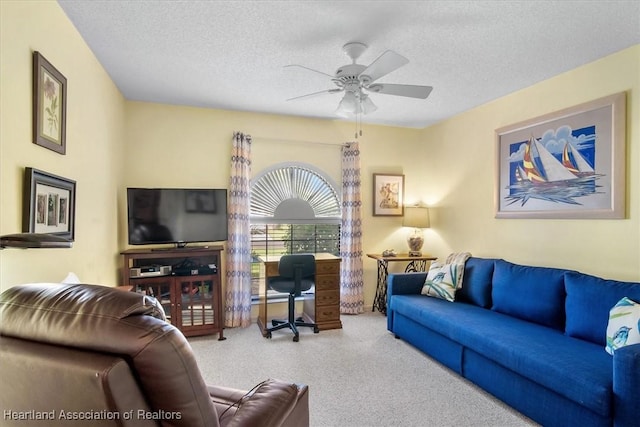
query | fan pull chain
(358,124)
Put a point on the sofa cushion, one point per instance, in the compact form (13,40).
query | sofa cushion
(576,369)
(588,302)
(530,293)
(476,284)
(624,321)
(442,281)
(538,353)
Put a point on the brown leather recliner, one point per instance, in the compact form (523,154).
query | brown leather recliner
(94,355)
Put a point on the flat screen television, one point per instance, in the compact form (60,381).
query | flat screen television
(176,215)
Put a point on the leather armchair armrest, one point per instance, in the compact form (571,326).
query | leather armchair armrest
(225,396)
(273,403)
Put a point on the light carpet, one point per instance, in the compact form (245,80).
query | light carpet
(358,376)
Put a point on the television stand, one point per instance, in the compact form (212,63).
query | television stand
(192,303)
(174,249)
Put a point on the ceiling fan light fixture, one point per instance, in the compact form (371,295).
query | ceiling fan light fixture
(367,104)
(348,104)
(342,113)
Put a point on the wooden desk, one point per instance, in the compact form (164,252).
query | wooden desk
(324,308)
(415,263)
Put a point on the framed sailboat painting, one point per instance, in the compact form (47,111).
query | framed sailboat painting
(567,164)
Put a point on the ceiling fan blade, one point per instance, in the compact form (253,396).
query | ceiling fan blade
(387,62)
(311,95)
(410,91)
(310,69)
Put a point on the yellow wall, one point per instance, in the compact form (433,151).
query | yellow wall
(457,169)
(95,126)
(113,143)
(180,146)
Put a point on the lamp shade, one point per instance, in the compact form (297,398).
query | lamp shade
(416,217)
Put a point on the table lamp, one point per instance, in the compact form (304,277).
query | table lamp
(416,217)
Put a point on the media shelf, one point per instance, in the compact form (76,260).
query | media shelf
(193,301)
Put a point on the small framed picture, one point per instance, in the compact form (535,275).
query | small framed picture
(48,204)
(49,105)
(388,195)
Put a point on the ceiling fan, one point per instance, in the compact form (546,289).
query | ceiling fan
(357,81)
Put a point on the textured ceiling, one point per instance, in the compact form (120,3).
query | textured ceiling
(231,54)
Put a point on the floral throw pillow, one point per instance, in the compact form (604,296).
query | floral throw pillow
(624,322)
(441,281)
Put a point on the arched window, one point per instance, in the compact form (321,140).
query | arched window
(294,209)
(294,193)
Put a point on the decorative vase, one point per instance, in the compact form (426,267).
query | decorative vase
(415,240)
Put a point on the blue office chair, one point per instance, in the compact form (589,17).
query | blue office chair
(296,274)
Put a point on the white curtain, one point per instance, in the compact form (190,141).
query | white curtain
(351,274)
(238,290)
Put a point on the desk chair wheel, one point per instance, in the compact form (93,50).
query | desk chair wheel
(296,338)
(268,335)
(316,330)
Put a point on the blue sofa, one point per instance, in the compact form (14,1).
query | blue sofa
(534,337)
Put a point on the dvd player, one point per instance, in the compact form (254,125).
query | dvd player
(150,270)
(195,270)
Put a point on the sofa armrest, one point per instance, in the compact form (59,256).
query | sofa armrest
(402,284)
(405,283)
(626,385)
(273,403)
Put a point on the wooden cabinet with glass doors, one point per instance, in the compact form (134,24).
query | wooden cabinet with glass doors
(192,303)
